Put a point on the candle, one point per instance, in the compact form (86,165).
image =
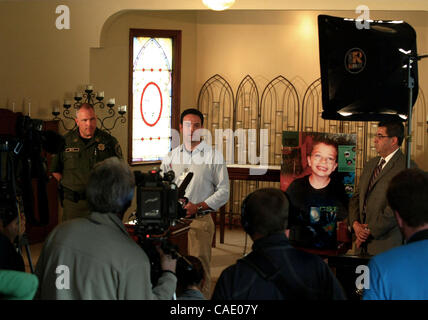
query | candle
(67,102)
(78,94)
(122,108)
(55,109)
(101,94)
(89,87)
(111,101)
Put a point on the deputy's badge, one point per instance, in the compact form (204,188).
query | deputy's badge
(72,150)
(101,146)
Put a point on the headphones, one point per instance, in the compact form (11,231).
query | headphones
(128,200)
(244,216)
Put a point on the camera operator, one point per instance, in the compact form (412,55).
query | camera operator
(95,257)
(11,228)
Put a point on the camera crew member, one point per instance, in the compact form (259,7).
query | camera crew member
(274,270)
(84,147)
(97,257)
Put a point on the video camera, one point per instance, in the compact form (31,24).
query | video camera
(159,205)
(157,202)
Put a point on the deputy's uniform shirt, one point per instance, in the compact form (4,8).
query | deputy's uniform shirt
(78,158)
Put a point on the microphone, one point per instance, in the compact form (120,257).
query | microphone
(183,186)
(180,195)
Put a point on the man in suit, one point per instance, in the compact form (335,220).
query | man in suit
(370,217)
(400,273)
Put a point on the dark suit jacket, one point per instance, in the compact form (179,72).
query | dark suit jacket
(380,218)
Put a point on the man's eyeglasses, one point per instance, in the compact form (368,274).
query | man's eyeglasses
(379,136)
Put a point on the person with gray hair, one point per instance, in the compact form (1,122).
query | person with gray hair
(95,257)
(274,270)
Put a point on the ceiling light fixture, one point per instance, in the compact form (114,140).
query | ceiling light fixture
(218,5)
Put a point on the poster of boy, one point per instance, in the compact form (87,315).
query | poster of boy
(318,176)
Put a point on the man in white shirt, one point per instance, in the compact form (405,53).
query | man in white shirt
(207,191)
(370,217)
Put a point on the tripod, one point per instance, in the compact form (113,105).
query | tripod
(410,86)
(11,203)
(24,243)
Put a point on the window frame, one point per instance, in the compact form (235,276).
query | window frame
(175,35)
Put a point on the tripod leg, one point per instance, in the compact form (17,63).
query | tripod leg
(24,242)
(27,249)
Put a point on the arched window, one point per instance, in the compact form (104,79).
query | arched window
(154,92)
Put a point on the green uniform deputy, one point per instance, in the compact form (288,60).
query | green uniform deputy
(84,146)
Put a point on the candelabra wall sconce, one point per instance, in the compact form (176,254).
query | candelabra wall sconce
(96,100)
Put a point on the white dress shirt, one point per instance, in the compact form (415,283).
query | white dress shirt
(210,182)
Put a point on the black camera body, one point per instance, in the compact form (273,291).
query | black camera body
(157,202)
(158,208)
(21,145)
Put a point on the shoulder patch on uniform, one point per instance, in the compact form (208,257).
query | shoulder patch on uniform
(101,146)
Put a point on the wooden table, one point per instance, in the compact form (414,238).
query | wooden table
(242,172)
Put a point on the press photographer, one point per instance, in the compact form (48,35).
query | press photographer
(99,248)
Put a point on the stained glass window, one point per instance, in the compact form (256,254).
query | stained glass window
(154,97)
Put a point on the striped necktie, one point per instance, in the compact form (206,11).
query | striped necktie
(375,173)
